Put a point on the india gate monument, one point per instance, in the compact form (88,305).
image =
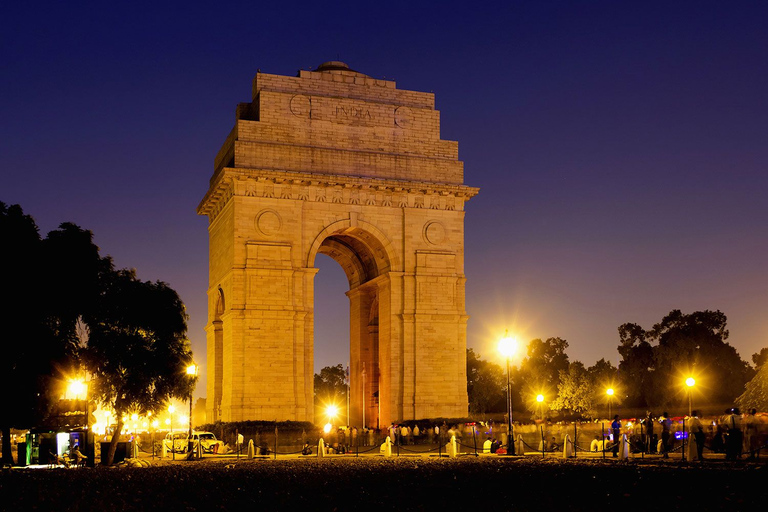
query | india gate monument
(336,162)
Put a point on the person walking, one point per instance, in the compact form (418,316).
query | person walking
(666,428)
(616,431)
(697,429)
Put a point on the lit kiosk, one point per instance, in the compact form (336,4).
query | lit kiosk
(336,162)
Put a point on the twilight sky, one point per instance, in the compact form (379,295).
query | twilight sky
(621,148)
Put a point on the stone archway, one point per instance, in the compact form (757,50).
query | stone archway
(335,162)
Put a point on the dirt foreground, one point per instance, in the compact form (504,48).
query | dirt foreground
(404,483)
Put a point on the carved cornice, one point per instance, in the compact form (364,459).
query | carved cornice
(330,188)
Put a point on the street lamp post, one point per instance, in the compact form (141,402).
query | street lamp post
(507,348)
(78,388)
(171,410)
(690,382)
(540,400)
(609,392)
(192,372)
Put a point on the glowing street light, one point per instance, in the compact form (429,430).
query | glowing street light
(331,411)
(76,388)
(690,382)
(507,348)
(540,400)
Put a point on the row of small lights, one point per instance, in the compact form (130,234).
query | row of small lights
(78,388)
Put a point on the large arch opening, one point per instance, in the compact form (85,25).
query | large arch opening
(364,259)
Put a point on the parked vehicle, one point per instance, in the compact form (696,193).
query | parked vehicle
(177,441)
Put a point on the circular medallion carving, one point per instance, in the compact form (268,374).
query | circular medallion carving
(301,105)
(403,117)
(268,222)
(434,233)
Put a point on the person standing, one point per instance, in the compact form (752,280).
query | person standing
(616,431)
(697,429)
(651,447)
(750,433)
(733,444)
(666,428)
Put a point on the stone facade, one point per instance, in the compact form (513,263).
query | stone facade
(335,162)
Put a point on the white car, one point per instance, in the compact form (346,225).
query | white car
(208,441)
(177,441)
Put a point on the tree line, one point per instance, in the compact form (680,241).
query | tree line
(651,374)
(653,367)
(69,312)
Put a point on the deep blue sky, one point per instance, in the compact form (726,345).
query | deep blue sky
(620,147)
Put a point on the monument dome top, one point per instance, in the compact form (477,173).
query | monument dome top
(333,65)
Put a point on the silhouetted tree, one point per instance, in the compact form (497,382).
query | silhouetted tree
(136,349)
(760,358)
(486,385)
(539,371)
(655,362)
(49,282)
(331,386)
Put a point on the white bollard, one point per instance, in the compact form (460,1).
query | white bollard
(624,448)
(519,445)
(165,450)
(567,447)
(387,447)
(451,448)
(251,449)
(321,448)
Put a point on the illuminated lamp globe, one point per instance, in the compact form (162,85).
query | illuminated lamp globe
(327,428)
(539,398)
(609,391)
(690,382)
(507,346)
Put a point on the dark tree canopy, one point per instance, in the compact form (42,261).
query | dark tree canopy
(657,361)
(760,358)
(47,282)
(486,385)
(331,386)
(137,349)
(60,288)
(539,371)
